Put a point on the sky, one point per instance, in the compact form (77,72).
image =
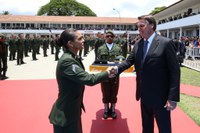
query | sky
(102,8)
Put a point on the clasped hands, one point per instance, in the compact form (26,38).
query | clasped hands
(112,71)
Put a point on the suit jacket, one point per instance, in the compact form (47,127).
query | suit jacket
(158,77)
(71,78)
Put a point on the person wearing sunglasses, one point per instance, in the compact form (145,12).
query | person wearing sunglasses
(71,79)
(108,52)
(158,76)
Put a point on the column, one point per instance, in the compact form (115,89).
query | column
(184,33)
(180,34)
(168,33)
(194,33)
(199,30)
(173,34)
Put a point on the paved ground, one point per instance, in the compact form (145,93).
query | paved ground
(40,69)
(44,68)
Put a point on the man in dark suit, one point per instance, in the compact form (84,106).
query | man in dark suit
(158,76)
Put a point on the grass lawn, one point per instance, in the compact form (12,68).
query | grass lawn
(189,104)
(190,77)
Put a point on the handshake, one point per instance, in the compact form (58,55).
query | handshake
(112,71)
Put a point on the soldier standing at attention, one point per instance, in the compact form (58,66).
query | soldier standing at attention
(86,46)
(52,44)
(20,49)
(57,48)
(12,47)
(38,44)
(26,45)
(3,58)
(108,52)
(45,43)
(34,47)
(98,42)
(124,44)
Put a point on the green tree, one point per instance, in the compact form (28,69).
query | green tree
(157,10)
(65,8)
(5,13)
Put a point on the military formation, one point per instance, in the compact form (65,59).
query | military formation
(16,47)
(20,46)
(94,42)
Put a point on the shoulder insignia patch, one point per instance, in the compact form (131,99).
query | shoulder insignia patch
(74,67)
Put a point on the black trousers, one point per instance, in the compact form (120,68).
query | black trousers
(57,54)
(20,57)
(12,54)
(161,115)
(110,89)
(3,63)
(73,127)
(34,52)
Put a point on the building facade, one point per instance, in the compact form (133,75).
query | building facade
(42,25)
(180,19)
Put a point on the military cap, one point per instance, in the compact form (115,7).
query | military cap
(2,35)
(109,31)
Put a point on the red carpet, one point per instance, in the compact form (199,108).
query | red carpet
(25,107)
(190,90)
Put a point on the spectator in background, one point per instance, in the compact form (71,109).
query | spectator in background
(198,42)
(180,50)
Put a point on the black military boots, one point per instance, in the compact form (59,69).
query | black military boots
(109,112)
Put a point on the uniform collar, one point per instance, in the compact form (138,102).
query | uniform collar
(73,55)
(109,46)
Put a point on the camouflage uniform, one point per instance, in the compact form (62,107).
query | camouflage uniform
(109,87)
